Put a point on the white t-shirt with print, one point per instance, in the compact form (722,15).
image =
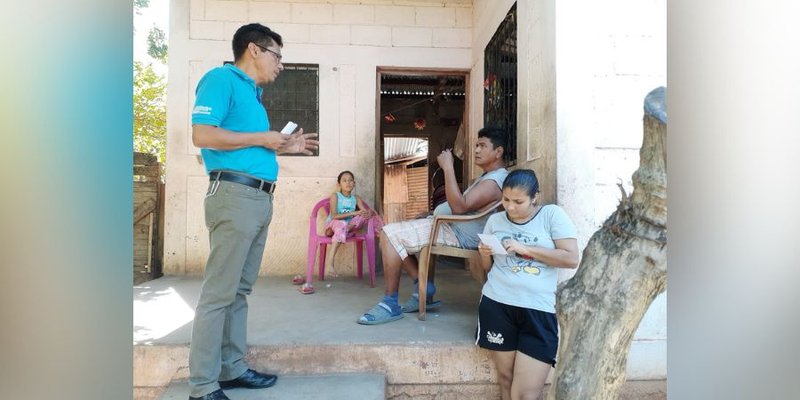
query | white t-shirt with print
(520,281)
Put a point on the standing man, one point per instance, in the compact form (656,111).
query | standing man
(239,150)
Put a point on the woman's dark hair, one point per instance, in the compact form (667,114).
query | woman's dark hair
(253,33)
(522,178)
(341,174)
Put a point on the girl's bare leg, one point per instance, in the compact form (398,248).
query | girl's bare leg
(332,269)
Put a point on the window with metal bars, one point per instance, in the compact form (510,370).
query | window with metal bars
(294,96)
(500,82)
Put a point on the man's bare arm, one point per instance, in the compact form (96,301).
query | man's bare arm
(214,137)
(487,192)
(455,199)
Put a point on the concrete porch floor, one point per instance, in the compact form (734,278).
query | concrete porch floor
(294,334)
(278,314)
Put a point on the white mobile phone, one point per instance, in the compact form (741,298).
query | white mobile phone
(289,128)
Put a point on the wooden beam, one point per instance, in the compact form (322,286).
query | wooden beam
(149,170)
(144,159)
(143,210)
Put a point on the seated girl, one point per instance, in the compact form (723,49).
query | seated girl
(349,213)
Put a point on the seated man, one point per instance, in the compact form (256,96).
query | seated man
(400,239)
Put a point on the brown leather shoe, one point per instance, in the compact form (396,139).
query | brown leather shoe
(250,379)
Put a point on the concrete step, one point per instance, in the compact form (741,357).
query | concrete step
(290,334)
(407,363)
(302,387)
(421,370)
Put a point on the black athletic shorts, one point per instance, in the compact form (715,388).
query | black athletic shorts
(507,328)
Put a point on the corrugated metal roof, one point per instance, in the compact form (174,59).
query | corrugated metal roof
(395,149)
(422,85)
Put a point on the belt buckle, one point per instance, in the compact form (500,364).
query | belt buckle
(264,184)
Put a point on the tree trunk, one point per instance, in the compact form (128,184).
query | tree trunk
(623,268)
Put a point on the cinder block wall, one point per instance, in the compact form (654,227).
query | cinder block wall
(610,56)
(348,39)
(585,68)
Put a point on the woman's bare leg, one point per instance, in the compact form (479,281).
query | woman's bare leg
(530,375)
(504,364)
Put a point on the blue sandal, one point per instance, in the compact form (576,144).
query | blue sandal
(381,313)
(412,304)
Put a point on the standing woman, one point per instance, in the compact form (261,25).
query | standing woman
(516,316)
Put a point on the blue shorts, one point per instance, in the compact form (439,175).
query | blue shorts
(509,328)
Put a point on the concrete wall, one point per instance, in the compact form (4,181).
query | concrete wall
(584,69)
(610,55)
(536,84)
(348,39)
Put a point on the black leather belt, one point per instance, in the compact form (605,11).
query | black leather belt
(266,186)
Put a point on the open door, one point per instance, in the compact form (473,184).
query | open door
(420,112)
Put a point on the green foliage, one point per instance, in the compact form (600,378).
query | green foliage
(157,44)
(149,111)
(138,5)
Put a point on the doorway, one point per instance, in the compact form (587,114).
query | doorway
(420,112)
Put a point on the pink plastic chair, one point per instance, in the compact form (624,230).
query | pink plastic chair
(316,240)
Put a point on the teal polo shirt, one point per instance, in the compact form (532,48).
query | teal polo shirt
(227,98)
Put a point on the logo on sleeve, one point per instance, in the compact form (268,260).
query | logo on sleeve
(205,110)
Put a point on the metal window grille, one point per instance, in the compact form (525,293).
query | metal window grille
(500,81)
(294,96)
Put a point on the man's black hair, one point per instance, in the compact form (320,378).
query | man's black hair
(253,33)
(498,136)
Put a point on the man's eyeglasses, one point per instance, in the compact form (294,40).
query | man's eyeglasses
(278,56)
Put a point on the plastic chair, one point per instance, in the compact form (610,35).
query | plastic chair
(322,241)
(428,252)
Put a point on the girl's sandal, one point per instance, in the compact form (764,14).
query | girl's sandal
(306,289)
(298,280)
(332,273)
